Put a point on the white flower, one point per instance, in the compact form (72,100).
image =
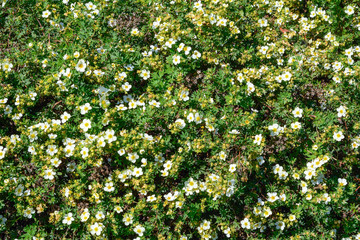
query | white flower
(128,219)
(341,111)
(31,150)
(51,150)
(8,109)
(100,215)
(337,66)
(257,210)
(71,167)
(309,173)
(85,108)
(283,197)
(49,174)
(68,150)
(280,225)
(349,52)
(84,152)
(3,151)
(85,215)
(180,123)
(275,129)
(19,190)
(32,136)
(342,182)
(68,219)
(250,87)
(292,217)
(272,197)
(167,165)
(80,66)
(234,131)
(222,155)
(187,50)
(132,157)
(121,76)
(7,66)
(51,135)
(170,42)
(126,87)
(145,74)
(277,168)
(151,198)
(132,104)
(96,229)
(266,212)
(134,32)
(308,196)
(121,152)
(258,139)
(262,22)
(196,55)
(326,198)
(221,22)
(206,225)
(118,209)
(184,95)
(32,95)
(232,168)
(198,5)
(64,117)
(169,197)
(110,135)
(190,117)
(137,172)
(76,54)
(121,107)
(297,112)
(198,118)
(283,175)
(349,10)
(264,49)
(154,103)
(109,187)
(90,6)
(286,76)
(98,73)
(355,145)
(101,50)
(240,77)
(85,125)
(176,59)
(29,212)
(164,173)
(338,136)
(139,230)
(245,223)
(46,14)
(296,125)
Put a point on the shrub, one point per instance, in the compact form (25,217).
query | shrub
(148,119)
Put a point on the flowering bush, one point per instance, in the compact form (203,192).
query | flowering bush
(149,119)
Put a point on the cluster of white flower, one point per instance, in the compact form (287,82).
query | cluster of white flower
(280,171)
(172,196)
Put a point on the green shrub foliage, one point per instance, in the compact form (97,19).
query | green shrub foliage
(183,119)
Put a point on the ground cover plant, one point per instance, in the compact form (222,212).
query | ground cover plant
(150,119)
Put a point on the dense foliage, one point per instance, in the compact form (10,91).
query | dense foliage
(150,119)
